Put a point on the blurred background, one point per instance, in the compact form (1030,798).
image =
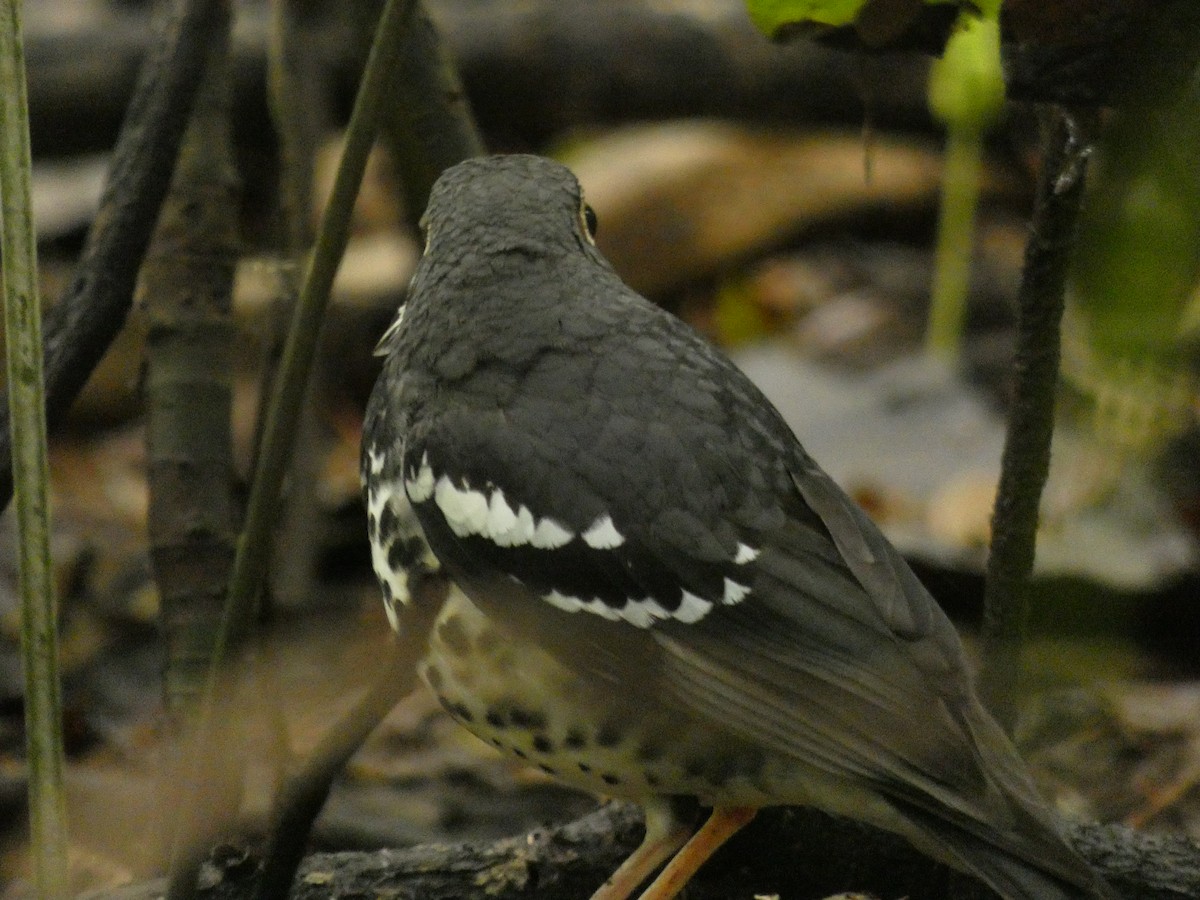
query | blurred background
(781,198)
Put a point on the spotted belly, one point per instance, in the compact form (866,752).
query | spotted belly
(522,701)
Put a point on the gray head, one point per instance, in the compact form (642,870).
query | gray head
(491,220)
(494,204)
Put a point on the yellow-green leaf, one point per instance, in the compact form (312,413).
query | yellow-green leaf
(966,86)
(771,15)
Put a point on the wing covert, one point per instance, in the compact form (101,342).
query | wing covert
(496,502)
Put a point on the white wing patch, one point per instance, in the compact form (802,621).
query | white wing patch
(509,529)
(692,608)
(573,604)
(734,592)
(420,487)
(602,534)
(549,534)
(643,613)
(505,527)
(745,554)
(486,514)
(465,510)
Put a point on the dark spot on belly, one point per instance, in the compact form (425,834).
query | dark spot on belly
(751,763)
(574,739)
(461,712)
(649,751)
(547,769)
(585,768)
(527,718)
(543,744)
(521,753)
(609,735)
(724,769)
(742,763)
(387,524)
(494,719)
(398,556)
(652,779)
(610,778)
(454,636)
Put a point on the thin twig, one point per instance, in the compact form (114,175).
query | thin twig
(284,412)
(429,125)
(1026,459)
(30,471)
(305,792)
(297,87)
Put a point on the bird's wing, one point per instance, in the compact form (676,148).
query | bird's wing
(798,627)
(853,665)
(773,587)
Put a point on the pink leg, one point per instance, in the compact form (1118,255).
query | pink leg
(665,834)
(723,824)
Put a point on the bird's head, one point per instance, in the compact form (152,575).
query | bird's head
(493,205)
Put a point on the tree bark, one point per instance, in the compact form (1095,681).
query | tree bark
(80,327)
(187,286)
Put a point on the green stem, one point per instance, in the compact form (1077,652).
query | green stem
(289,390)
(27,411)
(299,350)
(956,232)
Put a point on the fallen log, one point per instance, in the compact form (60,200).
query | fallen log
(796,853)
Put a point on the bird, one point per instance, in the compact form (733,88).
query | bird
(651,591)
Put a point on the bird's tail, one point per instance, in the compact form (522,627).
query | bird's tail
(1013,877)
(1027,857)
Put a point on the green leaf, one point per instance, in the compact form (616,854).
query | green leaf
(966,86)
(1135,275)
(771,15)
(966,92)
(1139,256)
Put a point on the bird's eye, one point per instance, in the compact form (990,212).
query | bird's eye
(590,221)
